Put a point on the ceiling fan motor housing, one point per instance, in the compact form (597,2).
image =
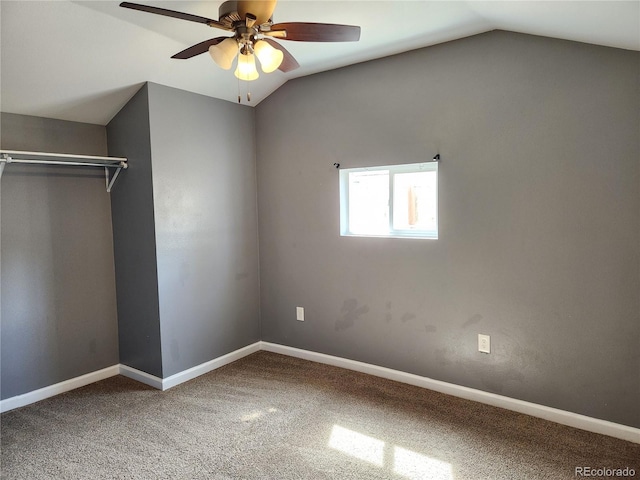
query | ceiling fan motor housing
(230,13)
(245,28)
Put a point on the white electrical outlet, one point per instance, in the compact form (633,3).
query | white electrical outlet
(484,343)
(300,313)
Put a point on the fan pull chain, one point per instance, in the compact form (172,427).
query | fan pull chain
(240,95)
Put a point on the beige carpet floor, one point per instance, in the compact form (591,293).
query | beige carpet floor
(269,416)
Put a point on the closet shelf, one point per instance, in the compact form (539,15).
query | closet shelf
(43,158)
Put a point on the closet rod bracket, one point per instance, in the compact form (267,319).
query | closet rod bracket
(3,161)
(110,182)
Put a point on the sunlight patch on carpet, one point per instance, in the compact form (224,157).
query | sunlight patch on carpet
(417,466)
(249,417)
(407,463)
(357,445)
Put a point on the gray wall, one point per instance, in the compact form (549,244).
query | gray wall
(134,238)
(539,219)
(185,229)
(204,184)
(58,294)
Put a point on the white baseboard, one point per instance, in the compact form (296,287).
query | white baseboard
(127,371)
(563,417)
(206,367)
(140,376)
(58,388)
(189,374)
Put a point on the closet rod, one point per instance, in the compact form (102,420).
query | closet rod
(45,158)
(16,153)
(60,162)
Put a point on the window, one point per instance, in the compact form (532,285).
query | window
(390,201)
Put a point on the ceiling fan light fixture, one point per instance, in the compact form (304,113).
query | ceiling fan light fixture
(224,52)
(251,22)
(246,69)
(270,58)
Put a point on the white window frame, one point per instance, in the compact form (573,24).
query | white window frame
(393,170)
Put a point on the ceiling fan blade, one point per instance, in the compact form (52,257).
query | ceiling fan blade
(174,14)
(262,9)
(288,62)
(316,32)
(198,48)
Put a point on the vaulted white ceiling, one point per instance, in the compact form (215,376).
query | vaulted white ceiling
(83,60)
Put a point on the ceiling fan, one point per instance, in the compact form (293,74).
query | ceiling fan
(254,32)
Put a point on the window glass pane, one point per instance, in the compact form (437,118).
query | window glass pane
(414,207)
(406,208)
(369,202)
